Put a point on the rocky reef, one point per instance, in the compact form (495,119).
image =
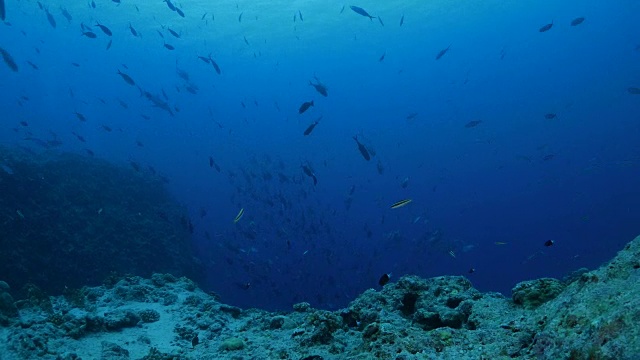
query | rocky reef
(71,220)
(590,315)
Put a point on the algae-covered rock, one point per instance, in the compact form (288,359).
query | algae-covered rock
(531,294)
(232,344)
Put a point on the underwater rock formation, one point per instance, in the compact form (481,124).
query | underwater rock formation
(71,221)
(593,315)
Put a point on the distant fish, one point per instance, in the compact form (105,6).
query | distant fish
(631,90)
(546,27)
(548,157)
(240,17)
(195,341)
(320,87)
(309,172)
(104,29)
(548,243)
(239,216)
(473,123)
(126,78)
(214,64)
(8,59)
(90,34)
(361,11)
(305,106)
(550,116)
(3,13)
(412,116)
(577,21)
(173,32)
(300,15)
(50,18)
(213,164)
(66,14)
(342,10)
(170,5)
(380,20)
(402,20)
(169,46)
(363,150)
(381,59)
(80,116)
(311,127)
(179,11)
(384,279)
(401,203)
(109,44)
(133,30)
(442,52)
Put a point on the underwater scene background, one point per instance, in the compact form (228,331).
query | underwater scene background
(512,127)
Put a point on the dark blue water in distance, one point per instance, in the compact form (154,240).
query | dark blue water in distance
(555,156)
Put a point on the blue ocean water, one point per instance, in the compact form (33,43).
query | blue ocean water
(512,137)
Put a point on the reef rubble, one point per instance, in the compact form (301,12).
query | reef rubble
(589,315)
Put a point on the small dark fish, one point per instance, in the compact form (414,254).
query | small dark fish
(305,106)
(116,1)
(75,64)
(107,128)
(34,66)
(412,116)
(133,31)
(170,5)
(442,52)
(380,20)
(309,172)
(173,32)
(472,270)
(92,4)
(363,149)
(8,59)
(311,127)
(631,90)
(205,59)
(3,13)
(109,44)
(240,17)
(473,123)
(203,16)
(24,123)
(80,137)
(104,29)
(577,21)
(50,18)
(80,116)
(548,157)
(126,78)
(179,12)
(402,20)
(546,27)
(550,116)
(66,14)
(401,203)
(382,57)
(300,15)
(89,34)
(548,243)
(384,279)
(169,46)
(361,11)
(320,87)
(214,64)
(89,152)
(195,341)
(245,40)
(380,167)
(342,10)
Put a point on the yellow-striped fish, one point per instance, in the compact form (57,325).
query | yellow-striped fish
(401,203)
(239,216)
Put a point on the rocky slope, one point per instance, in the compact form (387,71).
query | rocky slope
(592,315)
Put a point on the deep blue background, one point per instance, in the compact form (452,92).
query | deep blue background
(471,187)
